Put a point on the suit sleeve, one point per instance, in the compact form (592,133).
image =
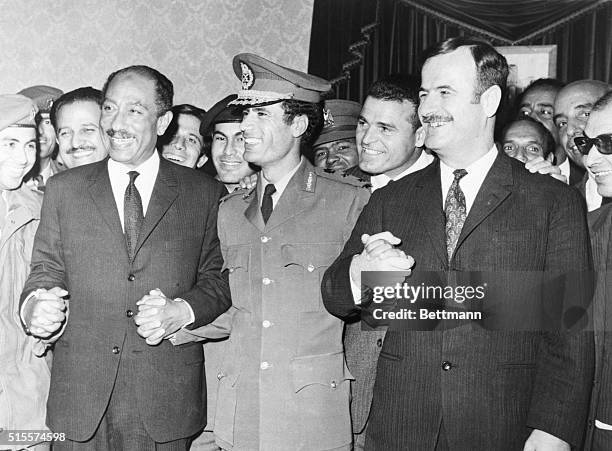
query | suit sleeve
(210,295)
(336,284)
(47,267)
(565,362)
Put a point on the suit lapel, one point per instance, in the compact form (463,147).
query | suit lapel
(253,212)
(291,201)
(101,193)
(428,198)
(163,196)
(495,188)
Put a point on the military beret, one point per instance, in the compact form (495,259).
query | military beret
(339,121)
(43,96)
(265,82)
(219,113)
(16,111)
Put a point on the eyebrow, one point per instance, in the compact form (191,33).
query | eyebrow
(216,132)
(584,105)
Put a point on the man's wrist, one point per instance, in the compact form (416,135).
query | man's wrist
(190,317)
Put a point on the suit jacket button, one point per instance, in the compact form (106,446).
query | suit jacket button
(333,384)
(129,313)
(115,349)
(131,277)
(379,342)
(446,366)
(220,376)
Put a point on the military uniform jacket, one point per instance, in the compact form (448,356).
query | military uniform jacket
(284,383)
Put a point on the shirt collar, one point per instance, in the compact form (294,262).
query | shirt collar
(281,184)
(381,180)
(149,166)
(478,168)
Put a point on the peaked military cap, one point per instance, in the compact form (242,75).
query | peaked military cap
(339,121)
(43,96)
(221,112)
(266,82)
(16,111)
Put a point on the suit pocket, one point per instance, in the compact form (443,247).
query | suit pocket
(236,261)
(305,264)
(389,356)
(225,413)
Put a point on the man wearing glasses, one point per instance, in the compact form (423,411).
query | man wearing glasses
(596,146)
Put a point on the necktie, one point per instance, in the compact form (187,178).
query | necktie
(605,200)
(266,203)
(455,212)
(132,214)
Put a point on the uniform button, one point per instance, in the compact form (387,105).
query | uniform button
(265,239)
(266,281)
(264,365)
(333,384)
(115,349)
(129,313)
(310,268)
(131,277)
(446,366)
(266,323)
(379,342)
(220,376)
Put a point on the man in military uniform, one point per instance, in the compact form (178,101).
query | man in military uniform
(283,383)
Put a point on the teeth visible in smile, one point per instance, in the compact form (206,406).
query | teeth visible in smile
(251,140)
(602,173)
(436,124)
(372,152)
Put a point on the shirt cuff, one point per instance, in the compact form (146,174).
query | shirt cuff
(22,310)
(355,288)
(601,425)
(191,314)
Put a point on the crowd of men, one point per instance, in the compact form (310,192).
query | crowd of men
(175,278)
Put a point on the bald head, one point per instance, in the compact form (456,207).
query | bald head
(573,105)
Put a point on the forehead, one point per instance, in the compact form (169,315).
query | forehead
(228,128)
(523,130)
(540,94)
(577,94)
(82,110)
(600,122)
(131,88)
(22,134)
(388,111)
(189,122)
(456,68)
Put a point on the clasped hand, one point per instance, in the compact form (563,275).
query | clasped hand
(46,311)
(159,316)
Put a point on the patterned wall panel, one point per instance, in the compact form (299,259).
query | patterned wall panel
(72,43)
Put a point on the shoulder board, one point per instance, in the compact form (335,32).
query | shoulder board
(343,177)
(243,192)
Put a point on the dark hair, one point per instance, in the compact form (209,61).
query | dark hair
(314,113)
(399,88)
(84,94)
(172,129)
(164,89)
(551,83)
(603,102)
(549,140)
(491,66)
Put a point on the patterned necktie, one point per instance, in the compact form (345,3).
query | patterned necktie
(455,212)
(132,214)
(266,203)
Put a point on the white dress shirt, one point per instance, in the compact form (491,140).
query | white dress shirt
(119,179)
(565,170)
(593,198)
(381,180)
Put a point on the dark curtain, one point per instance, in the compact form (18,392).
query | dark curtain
(584,44)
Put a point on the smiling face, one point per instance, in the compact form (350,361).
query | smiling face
(130,121)
(454,120)
(46,136)
(524,141)
(573,106)
(336,155)
(17,155)
(386,137)
(78,134)
(187,143)
(598,164)
(227,152)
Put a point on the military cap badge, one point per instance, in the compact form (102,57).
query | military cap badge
(328,119)
(248,78)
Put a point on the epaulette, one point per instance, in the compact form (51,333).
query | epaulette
(343,177)
(244,192)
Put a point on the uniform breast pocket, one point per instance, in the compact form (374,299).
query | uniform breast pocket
(236,260)
(305,264)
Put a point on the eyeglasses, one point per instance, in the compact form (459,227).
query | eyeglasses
(603,143)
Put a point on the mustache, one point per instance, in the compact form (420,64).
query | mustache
(80,148)
(121,134)
(429,118)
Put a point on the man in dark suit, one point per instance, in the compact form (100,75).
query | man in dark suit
(117,234)
(467,388)
(596,146)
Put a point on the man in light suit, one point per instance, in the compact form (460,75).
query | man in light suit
(132,240)
(596,146)
(464,387)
